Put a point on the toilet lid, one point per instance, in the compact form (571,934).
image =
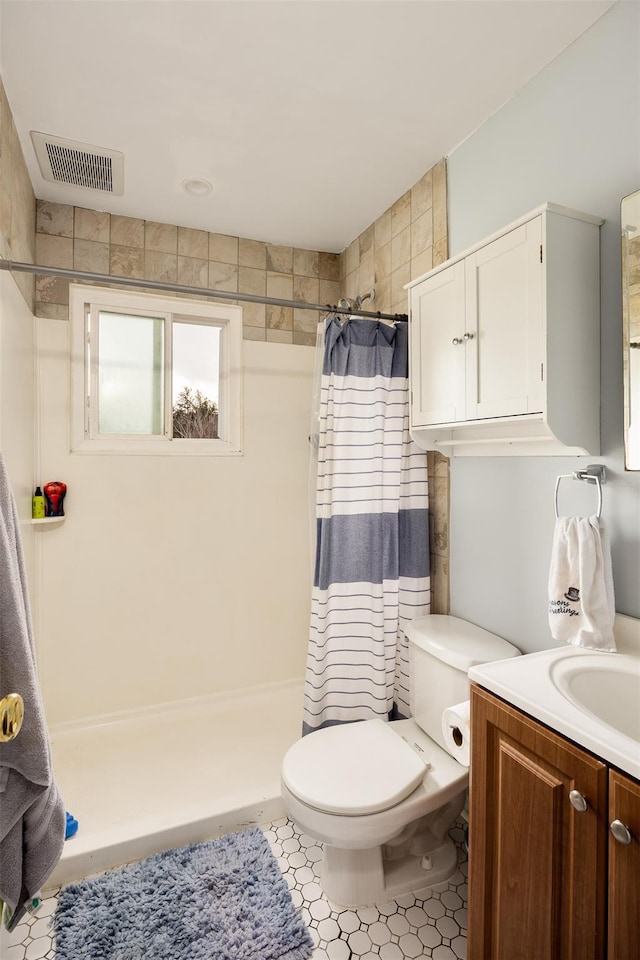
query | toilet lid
(354,768)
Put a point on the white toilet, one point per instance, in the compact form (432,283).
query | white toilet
(382,796)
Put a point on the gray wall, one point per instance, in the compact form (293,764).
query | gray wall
(571,136)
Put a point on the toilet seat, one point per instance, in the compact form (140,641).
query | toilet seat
(444,779)
(353,769)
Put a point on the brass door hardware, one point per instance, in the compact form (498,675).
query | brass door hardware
(11,716)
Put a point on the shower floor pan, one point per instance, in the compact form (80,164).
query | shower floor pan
(168,777)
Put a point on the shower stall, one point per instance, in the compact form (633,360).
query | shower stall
(171,614)
(170,604)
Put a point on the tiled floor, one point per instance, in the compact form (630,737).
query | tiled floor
(429,924)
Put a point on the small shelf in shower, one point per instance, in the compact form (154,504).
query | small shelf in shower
(47,521)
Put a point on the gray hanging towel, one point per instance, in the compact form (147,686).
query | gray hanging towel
(32,815)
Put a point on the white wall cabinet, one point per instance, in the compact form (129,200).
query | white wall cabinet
(504,342)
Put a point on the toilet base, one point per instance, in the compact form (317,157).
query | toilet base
(373,857)
(356,878)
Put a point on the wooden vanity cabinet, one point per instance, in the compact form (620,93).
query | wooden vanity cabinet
(537,866)
(624,870)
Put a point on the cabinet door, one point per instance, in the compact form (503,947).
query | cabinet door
(537,866)
(437,348)
(624,870)
(505,329)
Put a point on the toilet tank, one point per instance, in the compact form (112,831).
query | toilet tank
(441,651)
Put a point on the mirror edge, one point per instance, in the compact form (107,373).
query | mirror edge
(630,255)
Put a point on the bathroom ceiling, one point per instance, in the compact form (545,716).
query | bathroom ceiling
(309,117)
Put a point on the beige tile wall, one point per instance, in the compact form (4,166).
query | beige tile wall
(82,239)
(404,242)
(438,470)
(17,201)
(407,240)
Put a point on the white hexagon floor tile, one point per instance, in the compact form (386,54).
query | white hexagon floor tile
(431,923)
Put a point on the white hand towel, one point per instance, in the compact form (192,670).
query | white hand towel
(581,601)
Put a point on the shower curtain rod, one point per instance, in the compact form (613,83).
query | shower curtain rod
(193,291)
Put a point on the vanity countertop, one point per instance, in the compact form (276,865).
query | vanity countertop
(593,698)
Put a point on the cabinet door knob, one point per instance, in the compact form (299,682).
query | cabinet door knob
(456,341)
(468,336)
(578,801)
(620,831)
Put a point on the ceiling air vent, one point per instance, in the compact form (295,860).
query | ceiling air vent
(79,164)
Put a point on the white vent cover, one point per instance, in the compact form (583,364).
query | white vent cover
(79,164)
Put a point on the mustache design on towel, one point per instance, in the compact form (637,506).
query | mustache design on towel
(581,599)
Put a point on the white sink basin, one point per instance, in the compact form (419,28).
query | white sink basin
(606,685)
(592,698)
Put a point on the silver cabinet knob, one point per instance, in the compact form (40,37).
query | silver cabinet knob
(578,802)
(468,336)
(456,341)
(620,831)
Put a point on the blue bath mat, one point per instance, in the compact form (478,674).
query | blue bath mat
(220,900)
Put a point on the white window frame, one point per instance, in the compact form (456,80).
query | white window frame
(84,437)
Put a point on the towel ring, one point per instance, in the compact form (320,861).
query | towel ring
(593,474)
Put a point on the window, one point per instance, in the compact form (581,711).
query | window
(154,374)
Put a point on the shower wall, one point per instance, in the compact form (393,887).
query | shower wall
(175,577)
(188,576)
(152,593)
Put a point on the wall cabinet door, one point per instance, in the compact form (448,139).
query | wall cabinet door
(505,342)
(537,865)
(624,869)
(437,348)
(477,330)
(504,325)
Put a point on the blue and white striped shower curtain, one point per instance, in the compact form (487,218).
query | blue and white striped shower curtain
(372,541)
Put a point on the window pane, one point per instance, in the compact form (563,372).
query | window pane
(196,364)
(130,374)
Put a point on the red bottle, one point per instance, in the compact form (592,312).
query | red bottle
(54,495)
